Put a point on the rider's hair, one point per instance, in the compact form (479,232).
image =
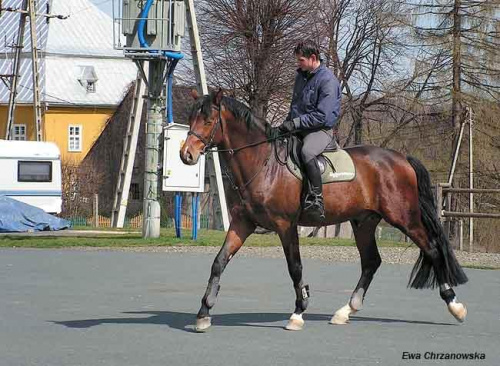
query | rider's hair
(307,48)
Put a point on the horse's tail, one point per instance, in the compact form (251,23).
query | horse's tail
(447,269)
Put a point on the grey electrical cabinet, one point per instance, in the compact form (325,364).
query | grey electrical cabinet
(163,29)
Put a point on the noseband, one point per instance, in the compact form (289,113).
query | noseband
(210,143)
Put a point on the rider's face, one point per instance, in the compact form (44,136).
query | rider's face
(306,63)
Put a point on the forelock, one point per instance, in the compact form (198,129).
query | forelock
(203,106)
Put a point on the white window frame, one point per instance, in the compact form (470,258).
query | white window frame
(75,137)
(18,136)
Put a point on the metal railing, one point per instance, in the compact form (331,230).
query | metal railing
(443,193)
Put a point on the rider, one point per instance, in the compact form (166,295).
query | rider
(314,111)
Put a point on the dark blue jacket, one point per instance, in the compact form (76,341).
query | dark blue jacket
(316,100)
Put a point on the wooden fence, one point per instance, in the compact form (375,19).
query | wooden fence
(443,192)
(134,222)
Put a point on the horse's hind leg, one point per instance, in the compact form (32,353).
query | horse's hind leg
(432,263)
(436,264)
(239,230)
(364,233)
(290,241)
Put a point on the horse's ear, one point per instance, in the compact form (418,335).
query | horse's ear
(218,97)
(194,93)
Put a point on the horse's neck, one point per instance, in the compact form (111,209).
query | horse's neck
(245,160)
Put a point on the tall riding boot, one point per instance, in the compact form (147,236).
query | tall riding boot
(314,205)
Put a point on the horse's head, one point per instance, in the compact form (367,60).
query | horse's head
(205,125)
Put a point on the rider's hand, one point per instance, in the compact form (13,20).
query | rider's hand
(286,127)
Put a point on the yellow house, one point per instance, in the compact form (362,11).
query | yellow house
(83,79)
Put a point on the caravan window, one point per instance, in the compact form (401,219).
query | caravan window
(34,171)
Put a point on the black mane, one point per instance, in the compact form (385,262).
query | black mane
(238,109)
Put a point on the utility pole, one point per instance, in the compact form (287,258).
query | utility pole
(154,128)
(27,9)
(471,184)
(37,108)
(15,72)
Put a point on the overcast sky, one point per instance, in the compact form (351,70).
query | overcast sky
(105,5)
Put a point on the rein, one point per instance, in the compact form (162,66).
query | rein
(209,148)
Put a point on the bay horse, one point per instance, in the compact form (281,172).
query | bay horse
(387,185)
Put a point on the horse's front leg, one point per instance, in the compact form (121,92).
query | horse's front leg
(290,241)
(239,230)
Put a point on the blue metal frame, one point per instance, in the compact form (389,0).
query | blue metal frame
(195,206)
(177,210)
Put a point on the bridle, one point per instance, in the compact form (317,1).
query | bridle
(209,148)
(210,143)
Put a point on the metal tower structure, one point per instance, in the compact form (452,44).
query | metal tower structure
(15,72)
(153,31)
(28,9)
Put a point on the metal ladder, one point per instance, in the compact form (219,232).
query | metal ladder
(28,10)
(129,149)
(15,71)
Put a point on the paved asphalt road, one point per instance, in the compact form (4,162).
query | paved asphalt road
(76,307)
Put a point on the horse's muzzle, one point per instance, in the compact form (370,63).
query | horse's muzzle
(187,157)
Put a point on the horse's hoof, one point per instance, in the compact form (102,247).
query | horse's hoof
(295,323)
(339,319)
(202,324)
(458,310)
(341,316)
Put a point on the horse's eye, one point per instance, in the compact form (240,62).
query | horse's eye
(208,122)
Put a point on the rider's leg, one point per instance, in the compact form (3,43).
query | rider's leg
(314,144)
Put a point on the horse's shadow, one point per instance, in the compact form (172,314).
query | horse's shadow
(185,321)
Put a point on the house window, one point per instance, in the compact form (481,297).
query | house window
(75,138)
(19,132)
(34,171)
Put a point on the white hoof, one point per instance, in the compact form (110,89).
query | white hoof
(295,323)
(203,324)
(458,310)
(341,316)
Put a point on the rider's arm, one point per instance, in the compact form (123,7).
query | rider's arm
(327,109)
(296,91)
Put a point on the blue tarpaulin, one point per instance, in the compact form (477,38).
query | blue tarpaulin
(18,216)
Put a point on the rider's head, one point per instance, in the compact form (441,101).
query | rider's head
(307,54)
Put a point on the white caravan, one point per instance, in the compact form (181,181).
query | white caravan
(30,172)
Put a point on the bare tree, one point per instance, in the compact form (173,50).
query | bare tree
(467,33)
(248,48)
(364,46)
